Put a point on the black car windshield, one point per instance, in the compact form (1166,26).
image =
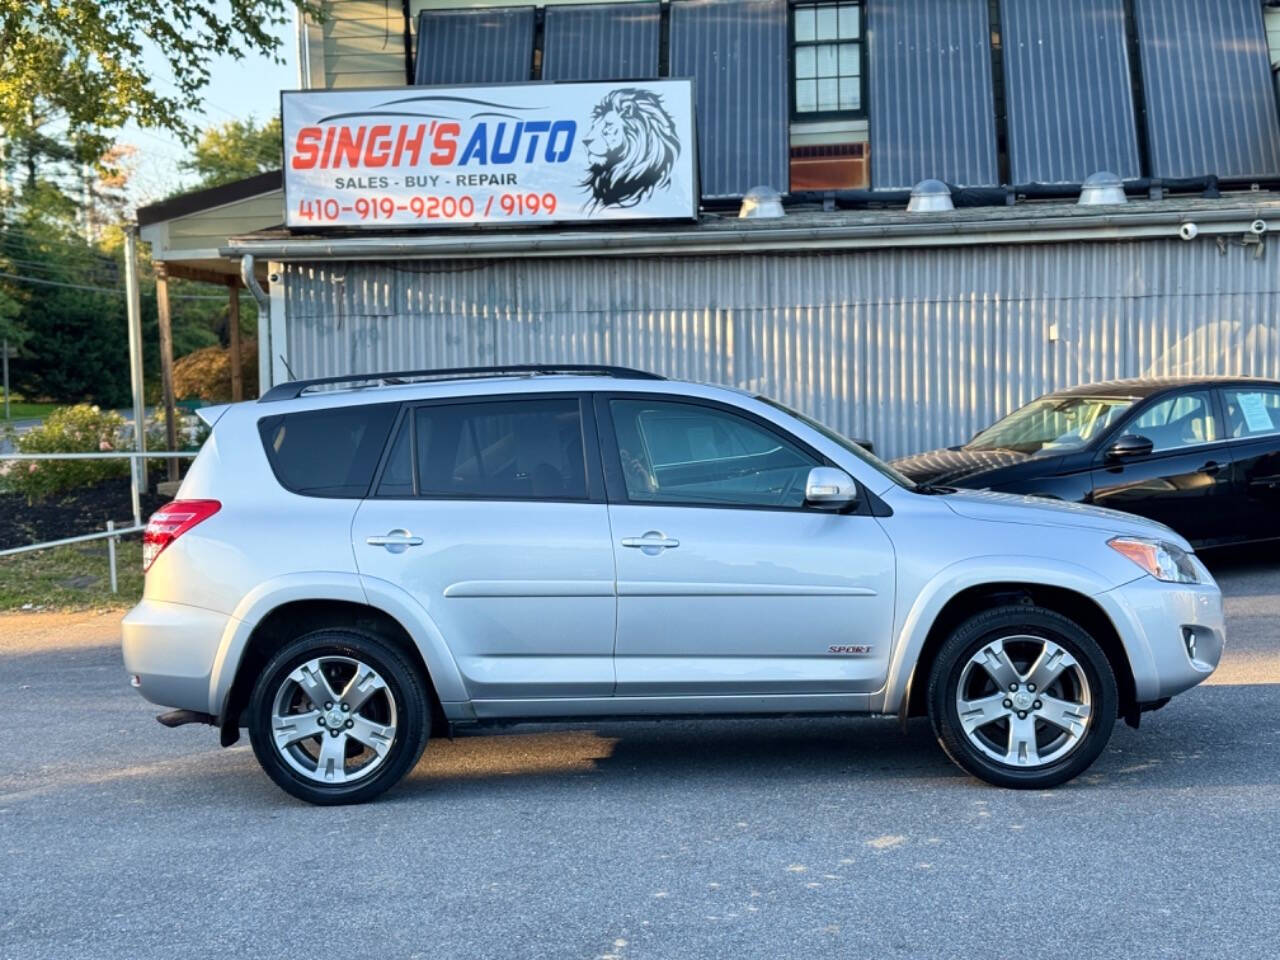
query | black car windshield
(870,459)
(1053,425)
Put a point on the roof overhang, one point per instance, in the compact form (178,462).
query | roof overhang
(809,230)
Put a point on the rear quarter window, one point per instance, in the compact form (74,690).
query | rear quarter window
(327,453)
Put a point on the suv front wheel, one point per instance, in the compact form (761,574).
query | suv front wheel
(338,716)
(1022,697)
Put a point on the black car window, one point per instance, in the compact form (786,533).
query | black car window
(517,449)
(327,453)
(1182,420)
(397,475)
(690,453)
(1252,411)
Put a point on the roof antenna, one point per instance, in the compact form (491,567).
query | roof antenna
(288,369)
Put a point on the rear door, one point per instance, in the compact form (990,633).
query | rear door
(728,585)
(1185,482)
(1252,417)
(490,511)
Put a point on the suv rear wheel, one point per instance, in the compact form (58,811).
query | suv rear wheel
(338,716)
(1022,697)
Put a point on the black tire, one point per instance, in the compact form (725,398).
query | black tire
(1009,621)
(404,685)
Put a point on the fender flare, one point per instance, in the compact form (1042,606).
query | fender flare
(947,583)
(327,585)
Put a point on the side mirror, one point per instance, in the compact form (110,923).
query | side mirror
(830,488)
(1130,445)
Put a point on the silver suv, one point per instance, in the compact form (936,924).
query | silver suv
(356,563)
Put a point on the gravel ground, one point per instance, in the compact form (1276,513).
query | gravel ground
(770,839)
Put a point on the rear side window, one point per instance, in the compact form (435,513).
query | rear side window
(503,450)
(1252,412)
(327,453)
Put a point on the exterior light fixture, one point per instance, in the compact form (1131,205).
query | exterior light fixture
(1102,189)
(930,196)
(761,203)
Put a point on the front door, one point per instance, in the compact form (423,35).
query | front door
(491,513)
(727,583)
(1185,481)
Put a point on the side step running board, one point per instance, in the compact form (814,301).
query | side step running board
(176,718)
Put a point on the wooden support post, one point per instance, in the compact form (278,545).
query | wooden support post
(233,322)
(166,365)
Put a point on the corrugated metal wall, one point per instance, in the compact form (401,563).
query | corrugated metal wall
(1211,107)
(1068,90)
(736,52)
(912,351)
(608,41)
(475,46)
(932,101)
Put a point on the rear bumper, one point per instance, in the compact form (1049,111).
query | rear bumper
(1158,617)
(170,649)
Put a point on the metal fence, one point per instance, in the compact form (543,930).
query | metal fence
(112,534)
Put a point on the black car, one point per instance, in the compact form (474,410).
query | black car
(1199,454)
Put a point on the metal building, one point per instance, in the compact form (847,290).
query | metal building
(913,330)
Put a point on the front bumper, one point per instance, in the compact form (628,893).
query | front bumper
(1154,618)
(170,649)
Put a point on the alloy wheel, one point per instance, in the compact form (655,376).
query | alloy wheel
(333,720)
(1024,701)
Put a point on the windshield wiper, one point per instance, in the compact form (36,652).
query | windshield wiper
(933,489)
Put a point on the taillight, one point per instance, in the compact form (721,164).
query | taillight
(170,522)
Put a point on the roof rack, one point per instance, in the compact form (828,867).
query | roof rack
(295,388)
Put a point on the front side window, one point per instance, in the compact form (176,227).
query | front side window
(510,449)
(826,59)
(1252,412)
(1053,425)
(692,454)
(1178,421)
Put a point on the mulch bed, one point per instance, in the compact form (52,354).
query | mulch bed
(77,512)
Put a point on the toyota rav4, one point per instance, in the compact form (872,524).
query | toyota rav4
(354,564)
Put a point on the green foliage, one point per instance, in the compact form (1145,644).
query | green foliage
(235,150)
(84,60)
(74,341)
(74,345)
(78,429)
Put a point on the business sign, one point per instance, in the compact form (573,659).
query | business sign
(528,153)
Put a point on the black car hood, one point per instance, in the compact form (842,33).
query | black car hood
(959,464)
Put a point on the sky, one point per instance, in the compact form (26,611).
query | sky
(238,89)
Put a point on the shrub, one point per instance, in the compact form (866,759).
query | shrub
(192,433)
(78,429)
(207,373)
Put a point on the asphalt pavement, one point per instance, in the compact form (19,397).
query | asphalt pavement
(742,839)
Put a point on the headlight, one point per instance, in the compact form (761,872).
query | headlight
(1164,561)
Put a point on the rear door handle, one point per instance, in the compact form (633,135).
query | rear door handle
(396,541)
(652,543)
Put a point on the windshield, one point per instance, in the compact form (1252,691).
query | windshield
(861,453)
(1053,425)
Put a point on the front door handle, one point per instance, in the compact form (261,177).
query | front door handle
(396,541)
(1212,468)
(652,543)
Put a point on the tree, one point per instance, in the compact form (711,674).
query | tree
(82,60)
(235,150)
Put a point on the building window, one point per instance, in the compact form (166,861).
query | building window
(826,60)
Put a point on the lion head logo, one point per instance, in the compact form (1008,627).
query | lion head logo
(631,148)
